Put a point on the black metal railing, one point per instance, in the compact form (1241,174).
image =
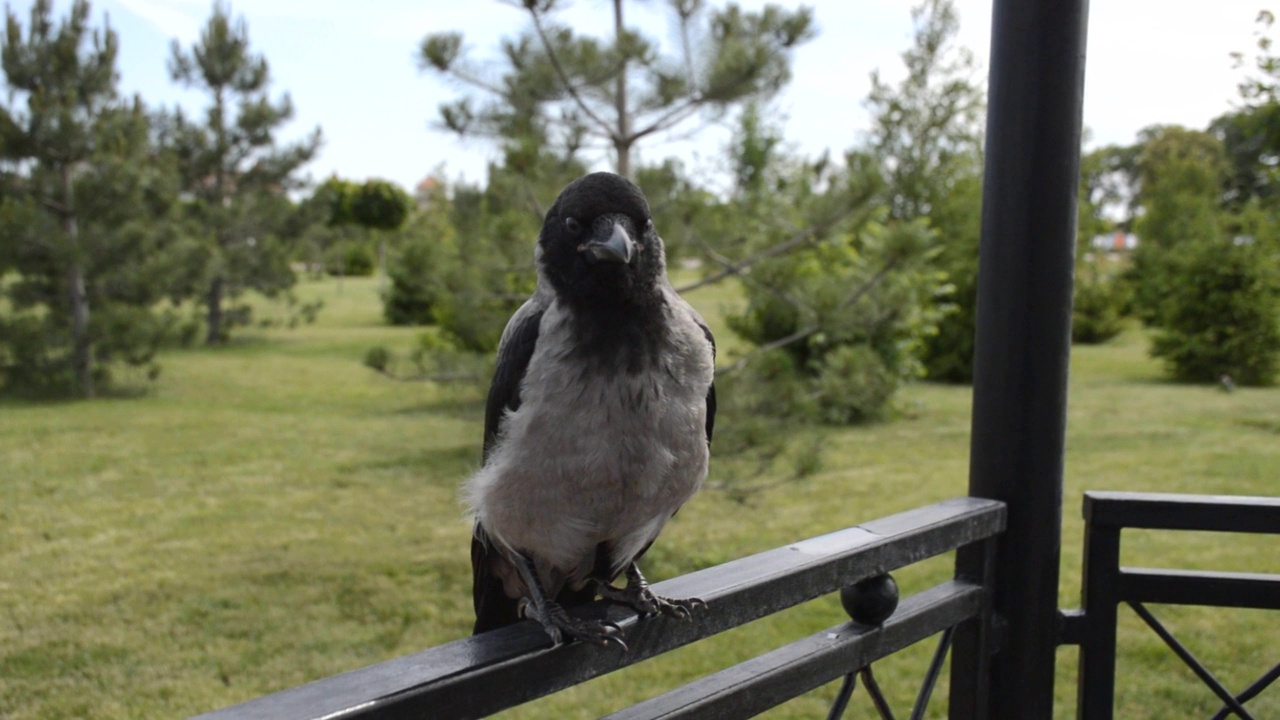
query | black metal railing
(481,675)
(1107,585)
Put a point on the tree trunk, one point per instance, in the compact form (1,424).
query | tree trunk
(214,333)
(342,264)
(81,347)
(622,140)
(77,290)
(382,262)
(214,301)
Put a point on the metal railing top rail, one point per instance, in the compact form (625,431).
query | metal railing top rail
(481,675)
(1167,511)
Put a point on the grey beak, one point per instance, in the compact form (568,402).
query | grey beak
(615,248)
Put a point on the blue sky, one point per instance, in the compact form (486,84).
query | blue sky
(350,68)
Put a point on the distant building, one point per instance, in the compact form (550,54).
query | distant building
(1118,241)
(427,190)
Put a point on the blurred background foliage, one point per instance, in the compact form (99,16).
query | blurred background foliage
(131,228)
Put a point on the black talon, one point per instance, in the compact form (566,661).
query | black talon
(640,598)
(614,638)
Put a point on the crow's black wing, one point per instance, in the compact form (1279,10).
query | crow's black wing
(513,360)
(711,391)
(493,607)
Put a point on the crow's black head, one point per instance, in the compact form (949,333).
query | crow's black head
(598,246)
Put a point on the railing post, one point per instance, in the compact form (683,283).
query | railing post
(1100,600)
(975,639)
(1023,339)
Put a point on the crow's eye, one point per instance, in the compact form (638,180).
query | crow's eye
(572,225)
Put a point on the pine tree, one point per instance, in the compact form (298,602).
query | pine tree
(78,183)
(926,134)
(564,90)
(234,171)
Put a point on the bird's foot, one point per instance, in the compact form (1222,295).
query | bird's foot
(639,597)
(560,624)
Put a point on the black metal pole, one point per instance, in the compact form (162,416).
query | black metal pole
(1023,339)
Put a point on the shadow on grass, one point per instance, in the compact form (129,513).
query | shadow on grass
(25,395)
(460,404)
(448,462)
(1266,426)
(61,658)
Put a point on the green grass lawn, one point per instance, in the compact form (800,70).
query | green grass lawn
(273,512)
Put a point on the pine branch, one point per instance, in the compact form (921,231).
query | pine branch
(811,330)
(692,132)
(729,265)
(56,207)
(564,77)
(473,80)
(670,119)
(799,239)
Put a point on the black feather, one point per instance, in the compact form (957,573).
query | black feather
(711,391)
(604,344)
(504,392)
(493,607)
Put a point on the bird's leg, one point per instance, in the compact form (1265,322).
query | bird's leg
(553,617)
(637,595)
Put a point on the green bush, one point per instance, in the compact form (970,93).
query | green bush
(414,291)
(30,363)
(379,204)
(766,393)
(35,355)
(469,299)
(378,358)
(463,268)
(472,315)
(479,292)
(1225,318)
(1153,279)
(351,259)
(957,219)
(767,387)
(948,353)
(1097,314)
(854,385)
(436,357)
(861,306)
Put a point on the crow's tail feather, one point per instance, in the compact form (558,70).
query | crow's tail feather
(494,608)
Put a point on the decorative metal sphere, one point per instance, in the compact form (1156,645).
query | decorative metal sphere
(871,601)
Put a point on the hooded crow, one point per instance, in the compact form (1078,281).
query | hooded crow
(598,422)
